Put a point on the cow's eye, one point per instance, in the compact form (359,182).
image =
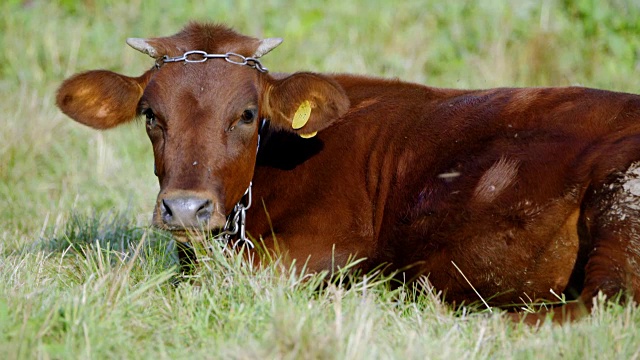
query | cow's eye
(151,117)
(248,116)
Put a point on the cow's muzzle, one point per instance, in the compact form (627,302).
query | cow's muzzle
(188,211)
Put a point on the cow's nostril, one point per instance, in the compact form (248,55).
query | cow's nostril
(166,212)
(165,209)
(204,212)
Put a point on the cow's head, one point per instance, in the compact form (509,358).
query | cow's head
(203,118)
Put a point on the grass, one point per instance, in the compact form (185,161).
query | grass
(82,275)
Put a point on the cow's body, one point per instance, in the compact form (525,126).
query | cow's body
(500,182)
(521,193)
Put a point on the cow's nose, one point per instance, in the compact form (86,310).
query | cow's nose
(189,211)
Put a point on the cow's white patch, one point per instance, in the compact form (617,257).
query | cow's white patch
(495,180)
(103,112)
(625,198)
(631,183)
(621,212)
(449,175)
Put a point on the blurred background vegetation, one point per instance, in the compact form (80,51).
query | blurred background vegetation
(63,184)
(51,167)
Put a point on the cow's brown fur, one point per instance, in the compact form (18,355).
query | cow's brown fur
(521,191)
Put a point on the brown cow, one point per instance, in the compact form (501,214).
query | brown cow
(514,191)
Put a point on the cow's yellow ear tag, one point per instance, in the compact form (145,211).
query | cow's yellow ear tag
(308,136)
(302,115)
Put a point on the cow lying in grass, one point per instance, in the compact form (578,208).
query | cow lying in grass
(502,193)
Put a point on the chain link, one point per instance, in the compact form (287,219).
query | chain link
(236,223)
(199,56)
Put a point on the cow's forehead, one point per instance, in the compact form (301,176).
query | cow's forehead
(203,37)
(215,90)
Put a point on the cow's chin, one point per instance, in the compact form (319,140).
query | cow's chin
(192,235)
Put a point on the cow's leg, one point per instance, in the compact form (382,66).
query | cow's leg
(614,262)
(317,252)
(612,218)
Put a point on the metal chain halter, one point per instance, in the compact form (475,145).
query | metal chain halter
(198,56)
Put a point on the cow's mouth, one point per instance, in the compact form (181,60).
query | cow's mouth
(194,235)
(233,236)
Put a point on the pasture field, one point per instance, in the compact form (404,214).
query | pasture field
(82,275)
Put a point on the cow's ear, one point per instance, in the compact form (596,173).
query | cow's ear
(101,99)
(304,103)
